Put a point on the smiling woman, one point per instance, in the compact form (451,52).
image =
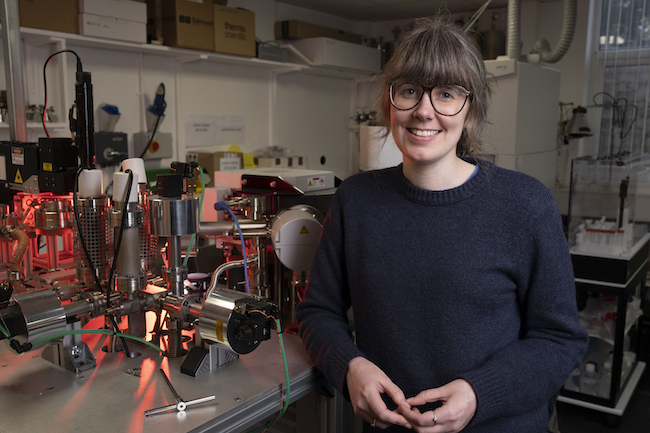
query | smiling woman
(457,271)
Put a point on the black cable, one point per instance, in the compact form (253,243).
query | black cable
(122,224)
(161,109)
(79,68)
(90,262)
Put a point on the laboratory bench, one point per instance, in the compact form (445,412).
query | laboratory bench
(37,395)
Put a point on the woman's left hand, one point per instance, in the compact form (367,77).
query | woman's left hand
(458,408)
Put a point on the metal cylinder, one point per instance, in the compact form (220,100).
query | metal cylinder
(175,339)
(129,277)
(54,213)
(43,314)
(148,241)
(93,215)
(176,272)
(217,322)
(173,216)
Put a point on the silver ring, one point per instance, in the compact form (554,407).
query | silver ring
(435,417)
(374,423)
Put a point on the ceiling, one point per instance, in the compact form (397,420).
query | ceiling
(386,10)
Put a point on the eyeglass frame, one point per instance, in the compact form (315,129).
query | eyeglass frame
(468,95)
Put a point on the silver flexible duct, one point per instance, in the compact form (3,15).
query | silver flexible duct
(542,47)
(513,45)
(566,37)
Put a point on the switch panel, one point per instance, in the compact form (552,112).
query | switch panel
(160,147)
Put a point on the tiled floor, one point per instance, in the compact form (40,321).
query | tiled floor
(636,419)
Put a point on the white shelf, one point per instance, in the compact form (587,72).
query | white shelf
(39,125)
(38,37)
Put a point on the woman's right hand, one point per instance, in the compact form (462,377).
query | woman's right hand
(366,383)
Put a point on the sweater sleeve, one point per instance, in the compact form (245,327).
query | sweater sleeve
(524,373)
(322,315)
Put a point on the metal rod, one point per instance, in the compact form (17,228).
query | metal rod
(10,19)
(169,384)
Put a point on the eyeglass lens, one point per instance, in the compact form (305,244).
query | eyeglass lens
(447,100)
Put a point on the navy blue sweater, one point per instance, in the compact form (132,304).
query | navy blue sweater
(474,282)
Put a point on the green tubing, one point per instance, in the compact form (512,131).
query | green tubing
(285,405)
(96,331)
(5,332)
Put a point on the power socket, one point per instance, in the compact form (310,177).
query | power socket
(160,147)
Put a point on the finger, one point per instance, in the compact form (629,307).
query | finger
(415,418)
(426,396)
(395,393)
(387,417)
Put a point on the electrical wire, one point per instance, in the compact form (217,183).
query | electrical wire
(619,114)
(3,330)
(98,331)
(161,109)
(222,205)
(284,399)
(79,68)
(192,238)
(90,262)
(118,244)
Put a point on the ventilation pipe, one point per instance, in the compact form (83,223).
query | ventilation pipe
(541,47)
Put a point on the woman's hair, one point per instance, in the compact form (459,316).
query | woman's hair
(438,52)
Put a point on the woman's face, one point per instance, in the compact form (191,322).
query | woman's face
(423,135)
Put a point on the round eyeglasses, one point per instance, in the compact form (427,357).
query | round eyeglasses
(447,100)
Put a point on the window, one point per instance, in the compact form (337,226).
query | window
(624,56)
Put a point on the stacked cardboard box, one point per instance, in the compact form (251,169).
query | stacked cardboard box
(54,15)
(296,29)
(125,20)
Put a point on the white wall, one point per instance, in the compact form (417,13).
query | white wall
(306,113)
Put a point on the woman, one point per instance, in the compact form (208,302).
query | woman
(458,272)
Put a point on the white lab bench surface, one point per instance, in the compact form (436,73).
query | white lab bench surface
(36,395)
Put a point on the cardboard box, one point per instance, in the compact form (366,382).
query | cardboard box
(296,29)
(112,28)
(277,162)
(54,15)
(339,54)
(218,161)
(185,23)
(234,31)
(121,9)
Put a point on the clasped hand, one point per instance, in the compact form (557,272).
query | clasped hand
(367,382)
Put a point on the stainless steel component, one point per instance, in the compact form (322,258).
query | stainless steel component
(10,19)
(223,320)
(54,213)
(228,227)
(133,371)
(134,215)
(43,315)
(176,273)
(129,276)
(174,217)
(148,242)
(224,267)
(181,404)
(186,308)
(175,338)
(98,238)
(71,353)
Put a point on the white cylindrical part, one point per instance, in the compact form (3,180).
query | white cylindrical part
(120,185)
(137,166)
(90,184)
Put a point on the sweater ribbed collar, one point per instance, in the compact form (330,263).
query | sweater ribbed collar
(449,196)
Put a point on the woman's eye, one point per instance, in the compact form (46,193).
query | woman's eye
(409,91)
